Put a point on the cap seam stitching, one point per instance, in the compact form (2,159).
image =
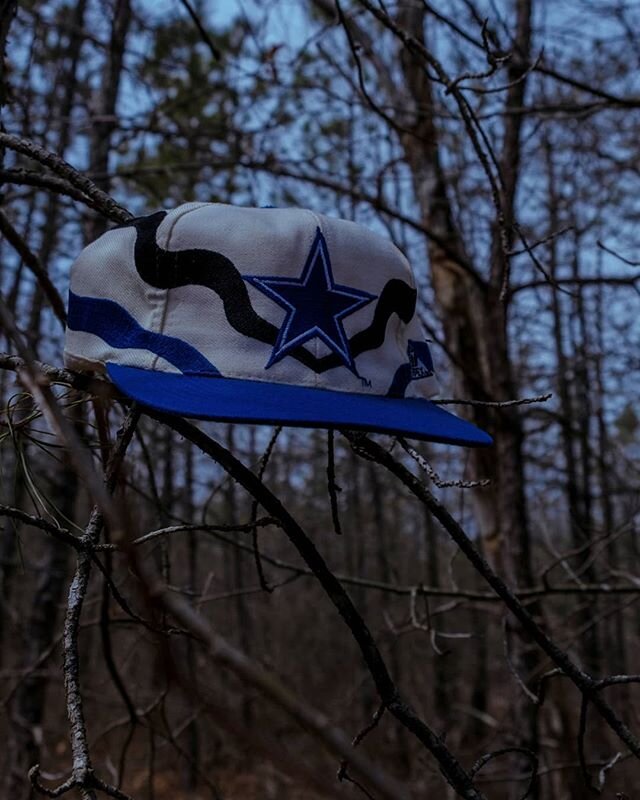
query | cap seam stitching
(165,309)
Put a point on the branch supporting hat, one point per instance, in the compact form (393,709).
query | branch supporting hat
(259,315)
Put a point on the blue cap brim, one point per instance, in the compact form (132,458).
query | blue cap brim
(237,400)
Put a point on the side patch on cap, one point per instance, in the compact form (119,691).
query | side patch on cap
(420,360)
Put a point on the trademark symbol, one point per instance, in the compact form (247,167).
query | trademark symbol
(365,382)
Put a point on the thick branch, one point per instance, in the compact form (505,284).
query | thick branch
(452,770)
(584,682)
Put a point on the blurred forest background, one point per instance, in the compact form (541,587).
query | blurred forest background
(496,142)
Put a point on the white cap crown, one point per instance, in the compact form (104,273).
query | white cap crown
(283,296)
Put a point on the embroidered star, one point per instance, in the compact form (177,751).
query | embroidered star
(315,305)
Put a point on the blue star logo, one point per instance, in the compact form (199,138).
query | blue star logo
(315,305)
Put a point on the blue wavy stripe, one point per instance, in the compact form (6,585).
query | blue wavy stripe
(115,325)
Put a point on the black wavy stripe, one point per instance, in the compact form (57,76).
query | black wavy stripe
(165,269)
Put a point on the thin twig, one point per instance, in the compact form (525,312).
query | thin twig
(104,202)
(424,465)
(332,486)
(204,34)
(533,758)
(35,265)
(523,401)
(264,461)
(582,680)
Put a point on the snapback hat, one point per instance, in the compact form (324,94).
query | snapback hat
(262,315)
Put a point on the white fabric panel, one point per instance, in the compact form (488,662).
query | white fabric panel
(276,242)
(260,242)
(106,269)
(86,346)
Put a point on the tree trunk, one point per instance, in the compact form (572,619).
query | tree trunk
(104,109)
(8,10)
(443,671)
(474,319)
(52,203)
(243,617)
(29,704)
(192,732)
